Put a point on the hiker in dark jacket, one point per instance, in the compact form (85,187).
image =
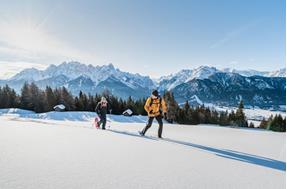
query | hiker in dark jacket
(102,110)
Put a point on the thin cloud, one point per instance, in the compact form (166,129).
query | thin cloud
(27,40)
(231,35)
(10,68)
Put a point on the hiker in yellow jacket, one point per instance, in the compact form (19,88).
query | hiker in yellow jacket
(155,107)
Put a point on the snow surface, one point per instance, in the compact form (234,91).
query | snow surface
(55,153)
(69,116)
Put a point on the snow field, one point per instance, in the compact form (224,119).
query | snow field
(42,153)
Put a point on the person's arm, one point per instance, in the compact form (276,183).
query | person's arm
(147,105)
(97,108)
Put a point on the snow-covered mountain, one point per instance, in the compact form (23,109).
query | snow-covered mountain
(73,70)
(248,73)
(173,80)
(229,88)
(204,84)
(278,73)
(88,78)
(203,72)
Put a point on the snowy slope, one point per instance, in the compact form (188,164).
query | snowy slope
(39,153)
(69,116)
(251,114)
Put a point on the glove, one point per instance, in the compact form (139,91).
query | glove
(164,115)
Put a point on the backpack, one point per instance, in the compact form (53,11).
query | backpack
(151,102)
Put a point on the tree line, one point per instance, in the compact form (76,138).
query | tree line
(274,123)
(203,115)
(38,100)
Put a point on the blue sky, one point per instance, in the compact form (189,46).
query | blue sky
(151,37)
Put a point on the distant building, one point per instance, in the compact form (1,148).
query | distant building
(59,108)
(128,112)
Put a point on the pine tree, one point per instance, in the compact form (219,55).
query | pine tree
(284,125)
(172,106)
(78,105)
(51,99)
(26,97)
(181,116)
(8,98)
(214,117)
(2,98)
(67,99)
(232,118)
(115,106)
(240,119)
(82,102)
(277,124)
(194,117)
(38,96)
(57,94)
(91,104)
(186,107)
(223,118)
(130,104)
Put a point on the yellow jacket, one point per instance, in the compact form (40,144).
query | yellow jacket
(155,106)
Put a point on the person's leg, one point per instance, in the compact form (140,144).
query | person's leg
(104,123)
(148,125)
(160,125)
(100,121)
(97,123)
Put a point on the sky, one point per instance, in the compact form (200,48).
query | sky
(150,37)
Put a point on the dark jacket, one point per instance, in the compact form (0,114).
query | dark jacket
(101,109)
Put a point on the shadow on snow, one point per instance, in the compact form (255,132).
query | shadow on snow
(131,134)
(224,153)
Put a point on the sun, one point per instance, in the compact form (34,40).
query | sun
(32,41)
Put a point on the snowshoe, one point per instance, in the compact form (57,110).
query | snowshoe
(141,133)
(97,122)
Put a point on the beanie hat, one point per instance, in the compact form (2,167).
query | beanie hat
(155,93)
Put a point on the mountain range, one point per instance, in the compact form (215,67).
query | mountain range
(205,84)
